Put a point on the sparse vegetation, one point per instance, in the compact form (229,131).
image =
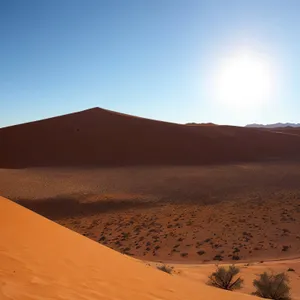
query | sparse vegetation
(236,250)
(272,286)
(154,232)
(125,235)
(291,270)
(102,238)
(285,248)
(235,257)
(218,257)
(165,268)
(226,278)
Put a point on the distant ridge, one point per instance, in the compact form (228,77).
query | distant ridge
(99,137)
(276,125)
(200,124)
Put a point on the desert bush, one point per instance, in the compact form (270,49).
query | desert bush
(285,248)
(272,286)
(225,278)
(218,257)
(235,257)
(165,268)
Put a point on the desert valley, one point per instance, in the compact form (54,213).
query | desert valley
(188,196)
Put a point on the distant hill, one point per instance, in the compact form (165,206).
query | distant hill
(200,124)
(276,125)
(99,137)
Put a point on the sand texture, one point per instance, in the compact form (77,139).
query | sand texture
(42,260)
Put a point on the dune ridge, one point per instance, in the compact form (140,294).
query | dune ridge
(98,137)
(40,259)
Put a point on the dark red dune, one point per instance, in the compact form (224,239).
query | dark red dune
(99,137)
(288,130)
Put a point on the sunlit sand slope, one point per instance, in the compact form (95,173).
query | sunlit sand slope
(42,260)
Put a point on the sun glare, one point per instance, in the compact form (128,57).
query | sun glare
(244,82)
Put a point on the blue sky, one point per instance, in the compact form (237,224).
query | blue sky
(155,58)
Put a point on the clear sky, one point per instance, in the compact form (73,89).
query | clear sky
(227,62)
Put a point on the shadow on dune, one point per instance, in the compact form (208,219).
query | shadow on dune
(98,137)
(65,207)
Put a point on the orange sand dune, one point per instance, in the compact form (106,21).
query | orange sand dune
(100,137)
(42,260)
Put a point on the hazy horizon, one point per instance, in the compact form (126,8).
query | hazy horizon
(224,62)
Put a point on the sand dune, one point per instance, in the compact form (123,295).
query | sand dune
(100,137)
(42,260)
(287,130)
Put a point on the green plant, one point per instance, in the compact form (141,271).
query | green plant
(125,235)
(218,257)
(235,257)
(272,286)
(165,268)
(225,278)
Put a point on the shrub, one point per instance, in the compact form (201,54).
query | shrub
(285,248)
(218,257)
(103,238)
(165,268)
(272,286)
(291,270)
(225,278)
(235,257)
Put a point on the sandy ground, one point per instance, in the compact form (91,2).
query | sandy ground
(249,272)
(42,260)
(234,213)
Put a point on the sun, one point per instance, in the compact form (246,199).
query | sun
(244,82)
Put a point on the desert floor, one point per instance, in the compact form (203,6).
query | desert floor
(249,272)
(229,213)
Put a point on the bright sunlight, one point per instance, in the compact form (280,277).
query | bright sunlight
(244,82)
